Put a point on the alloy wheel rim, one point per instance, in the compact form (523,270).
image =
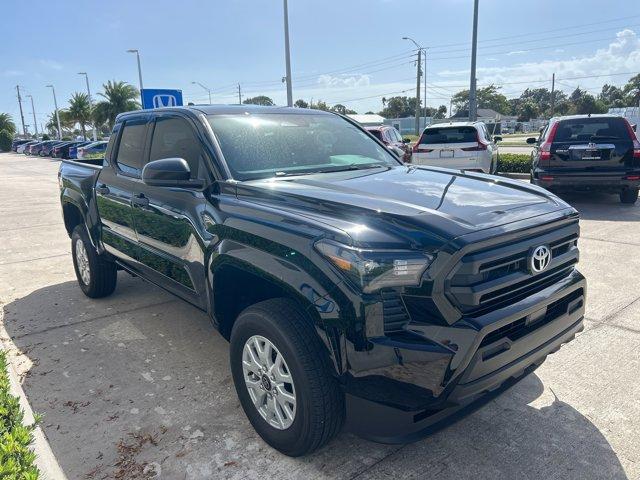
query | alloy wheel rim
(269,382)
(82,260)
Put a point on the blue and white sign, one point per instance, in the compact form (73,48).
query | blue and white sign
(160,97)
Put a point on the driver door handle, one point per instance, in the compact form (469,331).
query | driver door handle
(140,199)
(102,190)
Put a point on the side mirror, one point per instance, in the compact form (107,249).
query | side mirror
(406,140)
(497,138)
(532,140)
(169,172)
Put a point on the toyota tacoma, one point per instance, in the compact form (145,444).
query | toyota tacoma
(353,288)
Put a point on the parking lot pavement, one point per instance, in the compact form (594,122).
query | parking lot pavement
(142,379)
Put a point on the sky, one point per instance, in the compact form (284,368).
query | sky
(342,51)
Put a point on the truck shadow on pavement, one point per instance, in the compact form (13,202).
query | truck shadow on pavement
(601,206)
(140,382)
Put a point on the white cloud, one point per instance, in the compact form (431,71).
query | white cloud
(516,52)
(12,73)
(330,81)
(52,64)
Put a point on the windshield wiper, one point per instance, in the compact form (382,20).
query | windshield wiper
(352,166)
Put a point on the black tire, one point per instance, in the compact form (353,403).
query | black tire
(629,195)
(319,411)
(103,273)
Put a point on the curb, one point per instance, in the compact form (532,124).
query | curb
(518,176)
(45,459)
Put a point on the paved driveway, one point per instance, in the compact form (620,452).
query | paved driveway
(140,380)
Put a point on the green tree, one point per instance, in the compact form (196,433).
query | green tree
(6,138)
(632,91)
(259,100)
(66,123)
(398,107)
(342,110)
(80,111)
(612,96)
(6,123)
(488,97)
(320,105)
(301,104)
(582,102)
(527,110)
(118,97)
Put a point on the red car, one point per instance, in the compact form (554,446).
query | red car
(392,139)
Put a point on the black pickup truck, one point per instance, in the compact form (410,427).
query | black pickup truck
(351,286)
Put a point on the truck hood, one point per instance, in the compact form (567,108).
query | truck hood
(404,206)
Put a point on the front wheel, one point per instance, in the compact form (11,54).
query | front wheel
(96,275)
(629,195)
(281,373)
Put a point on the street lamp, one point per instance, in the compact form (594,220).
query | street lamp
(135,50)
(421,49)
(33,110)
(86,77)
(55,104)
(206,88)
(287,54)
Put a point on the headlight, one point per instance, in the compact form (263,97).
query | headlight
(375,269)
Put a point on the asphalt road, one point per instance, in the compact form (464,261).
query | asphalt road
(141,380)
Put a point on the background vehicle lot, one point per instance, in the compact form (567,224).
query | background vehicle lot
(108,373)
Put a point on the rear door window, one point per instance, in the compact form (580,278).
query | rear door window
(131,147)
(591,130)
(449,135)
(174,137)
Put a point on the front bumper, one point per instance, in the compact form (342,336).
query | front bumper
(492,364)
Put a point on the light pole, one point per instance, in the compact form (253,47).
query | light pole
(287,55)
(419,72)
(33,111)
(55,104)
(135,50)
(473,99)
(86,77)
(24,128)
(206,88)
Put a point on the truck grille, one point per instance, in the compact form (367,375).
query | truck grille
(493,277)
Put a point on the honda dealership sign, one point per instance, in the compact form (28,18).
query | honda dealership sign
(159,97)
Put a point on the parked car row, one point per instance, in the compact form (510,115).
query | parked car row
(66,149)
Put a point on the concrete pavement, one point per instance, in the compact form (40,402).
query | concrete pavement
(137,385)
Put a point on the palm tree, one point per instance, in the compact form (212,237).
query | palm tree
(66,123)
(80,111)
(6,123)
(118,97)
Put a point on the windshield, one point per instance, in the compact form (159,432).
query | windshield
(587,129)
(280,144)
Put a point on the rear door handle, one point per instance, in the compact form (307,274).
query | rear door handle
(141,200)
(102,190)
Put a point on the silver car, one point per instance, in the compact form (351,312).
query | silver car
(458,145)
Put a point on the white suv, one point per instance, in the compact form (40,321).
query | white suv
(458,145)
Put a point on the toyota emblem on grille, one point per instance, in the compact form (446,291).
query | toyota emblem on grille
(539,259)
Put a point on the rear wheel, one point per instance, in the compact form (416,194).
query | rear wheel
(283,379)
(96,275)
(629,195)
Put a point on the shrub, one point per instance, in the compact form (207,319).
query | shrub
(16,458)
(5,140)
(45,137)
(514,163)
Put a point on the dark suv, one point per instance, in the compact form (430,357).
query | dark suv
(588,152)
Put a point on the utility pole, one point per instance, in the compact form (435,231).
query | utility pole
(424,74)
(55,104)
(239,95)
(451,107)
(24,129)
(206,88)
(287,54)
(33,111)
(473,100)
(553,94)
(86,77)
(419,72)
